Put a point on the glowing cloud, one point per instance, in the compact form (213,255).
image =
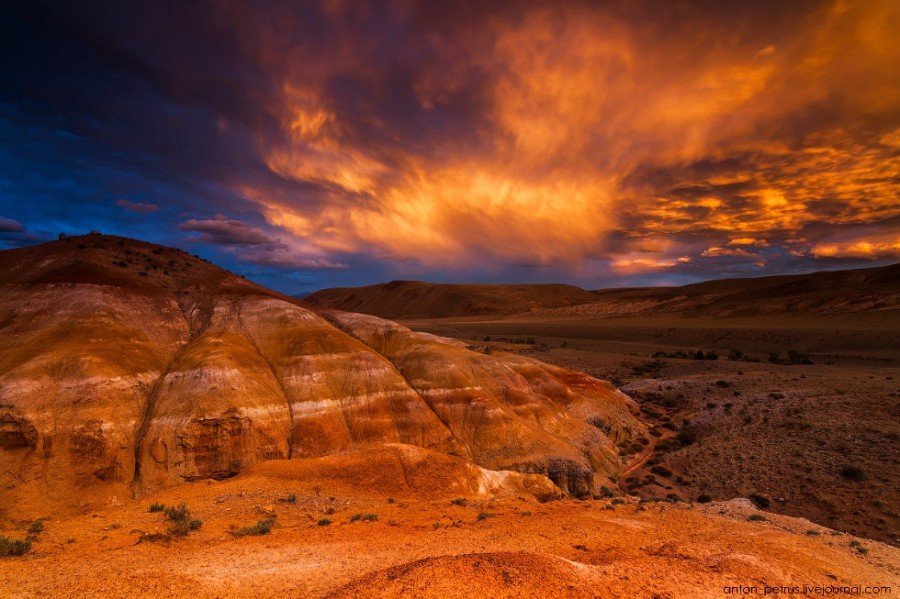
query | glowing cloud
(590,121)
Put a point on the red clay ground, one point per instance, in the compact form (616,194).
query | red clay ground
(411,547)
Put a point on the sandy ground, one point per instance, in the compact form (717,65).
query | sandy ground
(436,548)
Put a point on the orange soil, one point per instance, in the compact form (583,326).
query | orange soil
(427,547)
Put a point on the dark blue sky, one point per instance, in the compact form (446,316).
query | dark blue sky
(309,145)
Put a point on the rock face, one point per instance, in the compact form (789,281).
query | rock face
(126,366)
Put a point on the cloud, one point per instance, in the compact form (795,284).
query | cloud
(716,252)
(221,230)
(632,136)
(614,125)
(253,245)
(747,241)
(138,207)
(869,250)
(8,225)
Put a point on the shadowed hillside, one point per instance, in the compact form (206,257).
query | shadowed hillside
(834,292)
(415,299)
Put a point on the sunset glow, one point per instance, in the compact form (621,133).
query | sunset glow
(586,142)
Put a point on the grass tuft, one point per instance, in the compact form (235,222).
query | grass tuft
(263,527)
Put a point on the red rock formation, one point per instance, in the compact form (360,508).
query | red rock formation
(125,365)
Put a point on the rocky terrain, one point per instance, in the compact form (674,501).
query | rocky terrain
(799,412)
(127,367)
(832,292)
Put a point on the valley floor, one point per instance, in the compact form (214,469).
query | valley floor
(816,440)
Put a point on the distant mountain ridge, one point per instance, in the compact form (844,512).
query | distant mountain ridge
(409,299)
(825,292)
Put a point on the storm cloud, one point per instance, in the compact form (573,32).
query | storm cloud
(595,142)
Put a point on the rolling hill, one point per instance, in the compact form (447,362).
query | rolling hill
(830,292)
(415,299)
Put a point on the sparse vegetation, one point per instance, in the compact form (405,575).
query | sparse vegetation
(756,518)
(853,473)
(688,355)
(687,435)
(156,507)
(484,516)
(13,547)
(760,501)
(36,527)
(182,523)
(364,518)
(661,470)
(652,368)
(793,357)
(460,502)
(324,522)
(704,499)
(264,527)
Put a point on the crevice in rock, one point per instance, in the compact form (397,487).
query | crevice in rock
(340,326)
(204,320)
(284,393)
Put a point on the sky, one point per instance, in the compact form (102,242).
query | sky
(335,143)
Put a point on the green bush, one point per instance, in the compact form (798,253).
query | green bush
(36,526)
(176,514)
(12,547)
(364,518)
(263,527)
(156,507)
(756,518)
(182,523)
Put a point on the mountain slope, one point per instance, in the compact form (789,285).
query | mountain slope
(833,292)
(829,292)
(126,366)
(411,299)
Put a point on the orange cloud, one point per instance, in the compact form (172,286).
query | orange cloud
(858,249)
(589,123)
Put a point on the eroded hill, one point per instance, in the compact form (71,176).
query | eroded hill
(127,367)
